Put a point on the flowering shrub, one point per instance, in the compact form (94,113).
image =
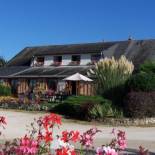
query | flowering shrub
(88,137)
(27,146)
(41,140)
(8,99)
(106,150)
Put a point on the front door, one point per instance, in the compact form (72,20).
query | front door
(74,88)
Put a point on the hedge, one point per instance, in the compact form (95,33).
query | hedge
(86,108)
(5,90)
(141,82)
(140,104)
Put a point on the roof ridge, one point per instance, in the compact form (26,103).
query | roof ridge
(86,43)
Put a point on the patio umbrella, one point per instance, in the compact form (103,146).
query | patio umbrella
(77,77)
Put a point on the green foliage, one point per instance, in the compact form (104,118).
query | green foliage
(48,106)
(86,107)
(142,82)
(101,111)
(140,101)
(82,99)
(148,66)
(5,90)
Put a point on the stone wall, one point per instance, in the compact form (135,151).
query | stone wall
(129,122)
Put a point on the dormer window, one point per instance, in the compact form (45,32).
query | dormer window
(39,61)
(75,60)
(95,58)
(57,60)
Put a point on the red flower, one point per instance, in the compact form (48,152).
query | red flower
(48,136)
(56,119)
(65,136)
(70,136)
(65,151)
(75,136)
(46,122)
(50,120)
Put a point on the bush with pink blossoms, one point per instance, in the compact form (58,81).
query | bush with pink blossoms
(41,140)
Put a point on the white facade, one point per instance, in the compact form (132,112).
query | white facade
(66,59)
(85,59)
(48,60)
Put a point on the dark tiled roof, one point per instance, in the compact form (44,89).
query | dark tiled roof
(136,50)
(24,57)
(7,71)
(52,72)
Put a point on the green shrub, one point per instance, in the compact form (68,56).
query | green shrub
(142,82)
(81,99)
(148,67)
(101,111)
(86,107)
(5,90)
(140,104)
(48,106)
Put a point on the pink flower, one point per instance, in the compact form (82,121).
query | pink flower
(121,139)
(87,137)
(122,144)
(27,146)
(106,151)
(109,151)
(99,151)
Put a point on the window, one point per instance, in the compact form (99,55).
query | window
(95,58)
(39,61)
(57,60)
(75,59)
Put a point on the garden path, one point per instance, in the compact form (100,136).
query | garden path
(17,121)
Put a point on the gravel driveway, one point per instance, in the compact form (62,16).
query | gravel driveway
(136,136)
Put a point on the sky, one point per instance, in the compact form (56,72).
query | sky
(47,22)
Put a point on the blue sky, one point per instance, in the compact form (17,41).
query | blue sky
(43,22)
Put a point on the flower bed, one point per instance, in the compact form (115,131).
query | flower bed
(8,99)
(42,140)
